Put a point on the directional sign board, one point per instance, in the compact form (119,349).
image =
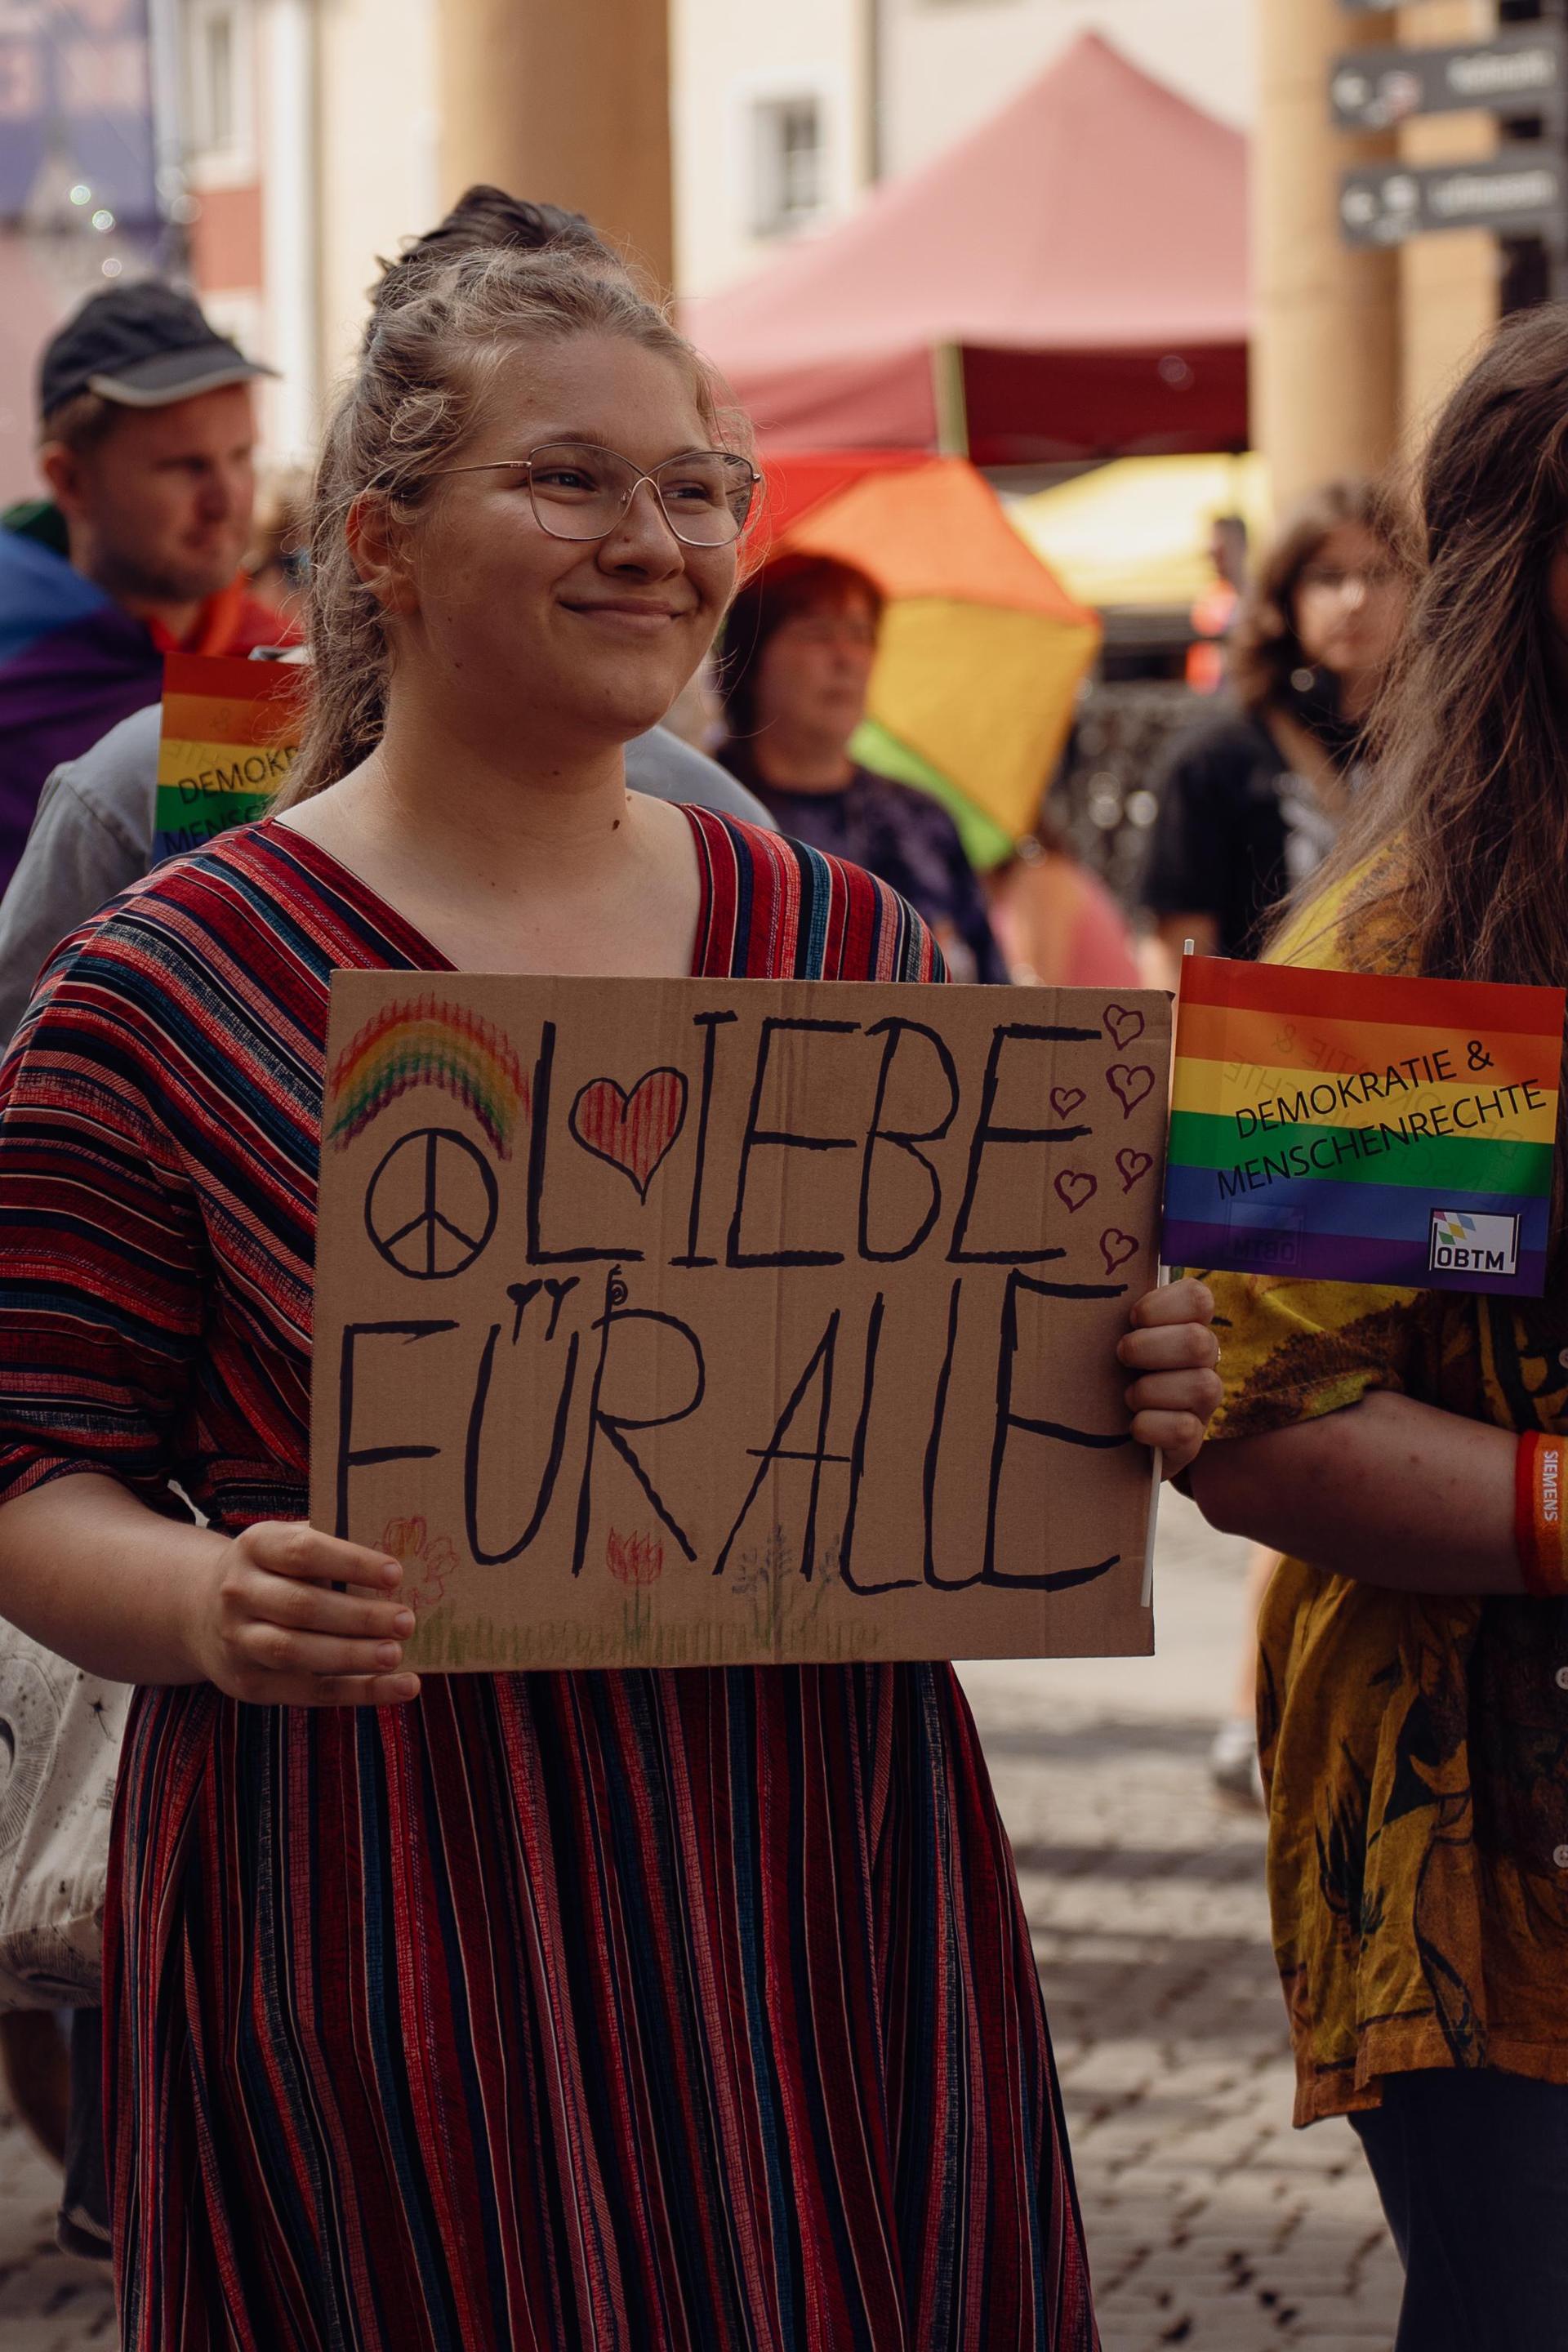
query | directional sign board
(1517,73)
(1519,193)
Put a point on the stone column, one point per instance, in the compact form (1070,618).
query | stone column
(567,101)
(1325,366)
(1448,285)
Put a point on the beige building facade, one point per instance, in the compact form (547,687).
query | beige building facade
(772,112)
(320,134)
(309,135)
(948,64)
(785,117)
(1354,349)
(317,136)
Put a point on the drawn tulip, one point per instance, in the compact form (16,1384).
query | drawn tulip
(635,1559)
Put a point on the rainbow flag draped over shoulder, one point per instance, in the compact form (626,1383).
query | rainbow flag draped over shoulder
(1345,1128)
(230,734)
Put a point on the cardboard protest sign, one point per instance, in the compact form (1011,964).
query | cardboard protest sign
(1350,1127)
(719,1322)
(230,734)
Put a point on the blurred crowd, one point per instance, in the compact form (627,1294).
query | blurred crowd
(152,533)
(1368,775)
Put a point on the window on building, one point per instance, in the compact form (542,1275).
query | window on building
(217,79)
(217,75)
(788,145)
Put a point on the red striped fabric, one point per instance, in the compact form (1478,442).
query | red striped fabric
(651,2012)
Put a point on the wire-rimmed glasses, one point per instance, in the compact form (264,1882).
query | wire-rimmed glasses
(581,491)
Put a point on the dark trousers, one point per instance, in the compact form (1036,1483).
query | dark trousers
(83,2224)
(1472,2169)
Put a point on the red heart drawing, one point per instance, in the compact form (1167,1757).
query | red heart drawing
(1074,1187)
(632,1132)
(1124,1023)
(1065,1100)
(1116,1247)
(1132,1165)
(1128,1082)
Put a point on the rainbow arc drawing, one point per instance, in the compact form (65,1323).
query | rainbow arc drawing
(1332,1126)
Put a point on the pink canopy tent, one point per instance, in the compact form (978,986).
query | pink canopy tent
(1069,281)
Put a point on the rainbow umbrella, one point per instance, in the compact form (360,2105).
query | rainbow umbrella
(983,649)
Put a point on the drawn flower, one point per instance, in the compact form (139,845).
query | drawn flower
(427,1560)
(635,1559)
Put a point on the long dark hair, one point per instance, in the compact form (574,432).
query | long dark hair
(1469,741)
(1265,653)
(1454,862)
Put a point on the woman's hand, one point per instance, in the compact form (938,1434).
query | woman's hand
(270,1629)
(1173,1351)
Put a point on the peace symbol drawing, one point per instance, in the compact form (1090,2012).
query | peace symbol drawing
(431,1206)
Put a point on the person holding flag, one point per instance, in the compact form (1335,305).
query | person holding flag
(146,442)
(1404,1448)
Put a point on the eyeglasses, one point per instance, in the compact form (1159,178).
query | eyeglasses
(581,491)
(1372,579)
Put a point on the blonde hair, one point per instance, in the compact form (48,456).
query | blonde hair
(80,423)
(412,400)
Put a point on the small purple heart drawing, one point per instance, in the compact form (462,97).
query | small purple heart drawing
(1116,1247)
(1074,1187)
(1131,1165)
(1065,1100)
(1130,1082)
(1124,1023)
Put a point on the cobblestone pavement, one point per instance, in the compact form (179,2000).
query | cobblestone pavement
(48,2301)
(1210,2224)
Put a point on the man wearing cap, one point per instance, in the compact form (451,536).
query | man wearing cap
(92,835)
(146,444)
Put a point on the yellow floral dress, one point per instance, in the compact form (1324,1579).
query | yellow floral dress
(1415,1750)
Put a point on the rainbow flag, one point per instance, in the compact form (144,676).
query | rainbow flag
(1339,1128)
(231,731)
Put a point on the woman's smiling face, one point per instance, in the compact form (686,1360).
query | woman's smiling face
(583,643)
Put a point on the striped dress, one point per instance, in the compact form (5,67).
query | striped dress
(644,2011)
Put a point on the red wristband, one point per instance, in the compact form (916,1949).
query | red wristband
(1538,1522)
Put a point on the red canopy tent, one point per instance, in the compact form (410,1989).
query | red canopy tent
(1078,265)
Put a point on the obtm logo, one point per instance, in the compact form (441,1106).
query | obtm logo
(1463,1243)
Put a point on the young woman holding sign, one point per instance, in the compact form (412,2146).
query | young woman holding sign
(1413,1698)
(633,2009)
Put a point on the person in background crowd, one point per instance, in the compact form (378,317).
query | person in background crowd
(146,436)
(1414,1692)
(567,1910)
(1251,797)
(1055,922)
(1250,800)
(799,647)
(1214,613)
(277,563)
(92,834)
(146,445)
